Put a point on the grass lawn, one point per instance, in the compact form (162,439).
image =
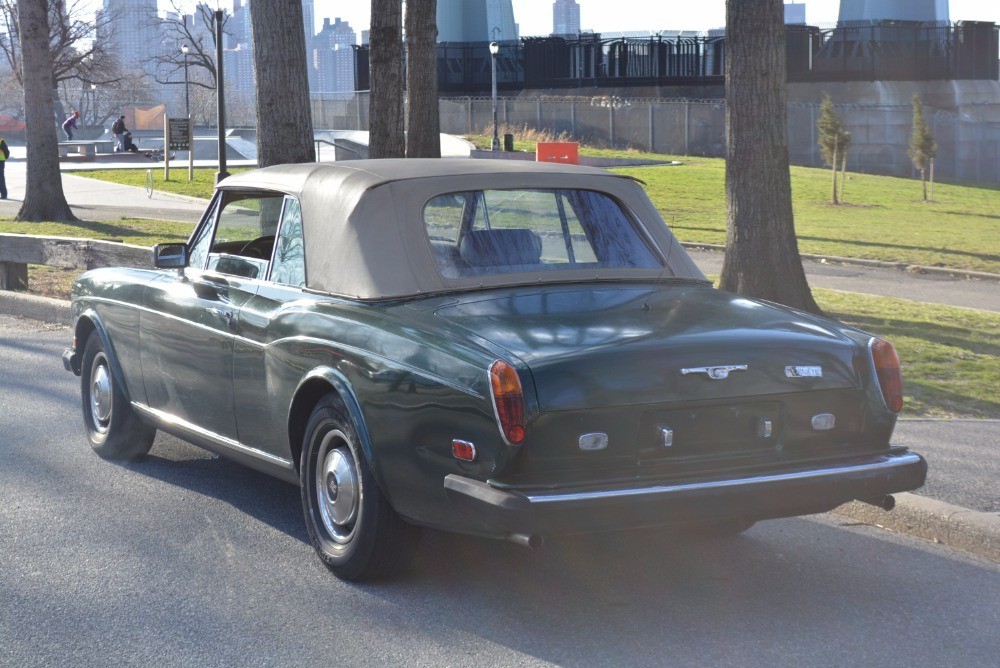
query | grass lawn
(884,217)
(201,185)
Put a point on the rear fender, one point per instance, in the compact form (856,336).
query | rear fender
(342,386)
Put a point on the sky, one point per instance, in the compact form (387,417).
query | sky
(535,16)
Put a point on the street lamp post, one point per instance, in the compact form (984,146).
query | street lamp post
(187,91)
(220,92)
(494,50)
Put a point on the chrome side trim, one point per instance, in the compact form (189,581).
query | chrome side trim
(221,441)
(884,462)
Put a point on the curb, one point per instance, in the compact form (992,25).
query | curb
(881,264)
(970,530)
(45,309)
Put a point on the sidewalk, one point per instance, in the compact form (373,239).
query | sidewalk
(942,511)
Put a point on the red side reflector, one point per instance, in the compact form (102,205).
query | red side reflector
(890,378)
(508,401)
(463,450)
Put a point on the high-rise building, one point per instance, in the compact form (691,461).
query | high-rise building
(131,32)
(565,18)
(795,13)
(476,21)
(333,58)
(924,11)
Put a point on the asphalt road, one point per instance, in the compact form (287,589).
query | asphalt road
(189,559)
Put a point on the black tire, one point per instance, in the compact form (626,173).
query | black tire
(113,428)
(354,530)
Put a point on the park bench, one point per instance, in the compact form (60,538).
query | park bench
(88,148)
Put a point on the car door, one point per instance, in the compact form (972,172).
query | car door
(265,378)
(191,320)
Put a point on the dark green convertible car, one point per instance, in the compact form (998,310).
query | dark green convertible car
(500,348)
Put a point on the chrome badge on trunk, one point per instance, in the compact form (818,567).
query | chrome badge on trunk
(715,372)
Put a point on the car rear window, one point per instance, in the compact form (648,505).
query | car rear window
(484,232)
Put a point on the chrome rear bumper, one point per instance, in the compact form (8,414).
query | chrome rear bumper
(794,491)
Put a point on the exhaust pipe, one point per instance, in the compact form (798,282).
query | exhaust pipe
(531,541)
(887,502)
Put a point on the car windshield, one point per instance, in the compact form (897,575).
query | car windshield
(489,232)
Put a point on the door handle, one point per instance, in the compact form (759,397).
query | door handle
(222,313)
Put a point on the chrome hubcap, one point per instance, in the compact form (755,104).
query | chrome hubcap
(337,489)
(100,394)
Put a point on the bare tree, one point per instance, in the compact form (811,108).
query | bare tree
(762,255)
(284,117)
(199,36)
(386,101)
(75,54)
(423,123)
(44,199)
(923,148)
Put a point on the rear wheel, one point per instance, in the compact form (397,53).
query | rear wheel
(350,523)
(113,428)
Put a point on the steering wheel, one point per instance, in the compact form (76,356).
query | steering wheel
(260,247)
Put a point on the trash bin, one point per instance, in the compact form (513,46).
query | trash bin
(508,142)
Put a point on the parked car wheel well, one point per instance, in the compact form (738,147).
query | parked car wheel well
(84,326)
(302,407)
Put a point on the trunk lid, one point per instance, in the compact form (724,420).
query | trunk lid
(626,346)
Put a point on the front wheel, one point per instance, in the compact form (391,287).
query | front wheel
(113,428)
(354,530)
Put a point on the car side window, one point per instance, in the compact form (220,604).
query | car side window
(289,264)
(199,244)
(244,235)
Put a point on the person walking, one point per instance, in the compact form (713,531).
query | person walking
(70,124)
(4,154)
(118,129)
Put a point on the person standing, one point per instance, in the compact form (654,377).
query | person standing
(70,124)
(4,154)
(118,129)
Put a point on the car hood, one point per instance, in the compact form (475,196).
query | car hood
(613,346)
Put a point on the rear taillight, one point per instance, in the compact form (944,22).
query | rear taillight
(890,379)
(508,401)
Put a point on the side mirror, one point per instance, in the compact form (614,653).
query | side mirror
(170,256)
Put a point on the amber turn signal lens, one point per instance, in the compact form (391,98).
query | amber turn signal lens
(508,401)
(890,378)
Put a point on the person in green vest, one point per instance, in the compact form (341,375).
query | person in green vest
(4,154)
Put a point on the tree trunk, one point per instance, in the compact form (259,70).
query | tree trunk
(843,175)
(44,199)
(833,196)
(284,118)
(762,256)
(423,124)
(923,181)
(385,138)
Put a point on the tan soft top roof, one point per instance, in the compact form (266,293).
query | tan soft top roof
(365,236)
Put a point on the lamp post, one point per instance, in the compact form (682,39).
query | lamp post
(187,91)
(221,97)
(93,101)
(494,50)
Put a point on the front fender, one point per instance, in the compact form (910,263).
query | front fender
(88,322)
